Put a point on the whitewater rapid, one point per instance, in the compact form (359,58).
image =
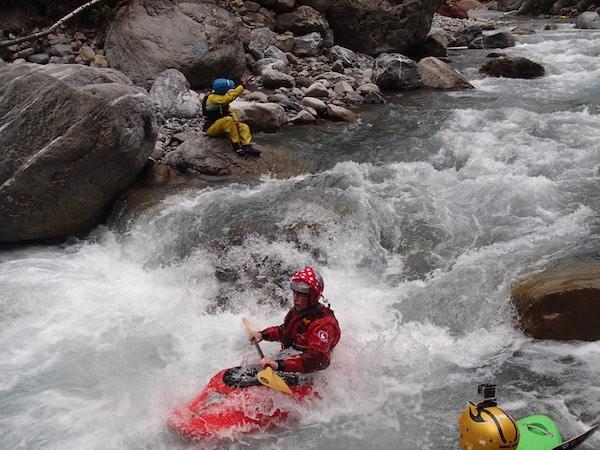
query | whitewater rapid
(420,218)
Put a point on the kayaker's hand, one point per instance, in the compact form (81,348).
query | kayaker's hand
(246,81)
(254,337)
(268,362)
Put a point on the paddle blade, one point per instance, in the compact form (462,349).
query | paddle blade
(270,379)
(248,325)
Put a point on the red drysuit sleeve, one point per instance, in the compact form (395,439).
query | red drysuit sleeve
(317,354)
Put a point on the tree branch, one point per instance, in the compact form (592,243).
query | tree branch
(51,29)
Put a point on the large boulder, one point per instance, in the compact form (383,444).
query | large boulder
(260,116)
(383,26)
(588,19)
(393,71)
(71,137)
(560,304)
(214,156)
(512,67)
(200,40)
(172,96)
(437,74)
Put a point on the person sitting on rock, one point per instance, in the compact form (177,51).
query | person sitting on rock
(219,119)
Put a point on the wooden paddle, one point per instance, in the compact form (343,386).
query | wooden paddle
(267,376)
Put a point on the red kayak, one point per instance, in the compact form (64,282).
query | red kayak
(234,402)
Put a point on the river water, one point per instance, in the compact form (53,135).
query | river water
(420,217)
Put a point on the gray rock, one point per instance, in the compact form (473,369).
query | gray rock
(274,79)
(434,45)
(384,26)
(285,42)
(368,87)
(508,5)
(317,90)
(354,97)
(39,58)
(346,56)
(87,54)
(373,98)
(308,45)
(393,71)
(342,87)
(60,50)
(71,137)
(260,40)
(315,103)
(260,116)
(269,64)
(256,96)
(302,20)
(198,39)
(588,19)
(275,53)
(172,96)
(464,36)
(498,40)
(303,117)
(437,74)
(512,67)
(337,66)
(340,113)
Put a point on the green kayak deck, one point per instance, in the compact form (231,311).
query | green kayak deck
(538,433)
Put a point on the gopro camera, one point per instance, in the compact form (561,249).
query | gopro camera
(487,392)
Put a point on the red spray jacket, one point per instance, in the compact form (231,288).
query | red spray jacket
(314,332)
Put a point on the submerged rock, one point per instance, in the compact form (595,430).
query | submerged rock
(498,40)
(71,137)
(437,74)
(512,67)
(560,304)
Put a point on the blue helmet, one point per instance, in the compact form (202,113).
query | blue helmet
(222,85)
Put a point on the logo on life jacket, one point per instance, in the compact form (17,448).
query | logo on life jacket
(323,335)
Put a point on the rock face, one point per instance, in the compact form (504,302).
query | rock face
(71,137)
(375,27)
(560,304)
(512,67)
(199,39)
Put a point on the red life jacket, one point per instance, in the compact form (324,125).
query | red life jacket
(314,332)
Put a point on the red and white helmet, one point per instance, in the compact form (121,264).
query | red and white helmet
(308,281)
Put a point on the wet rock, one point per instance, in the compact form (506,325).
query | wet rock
(303,20)
(214,156)
(523,31)
(172,96)
(498,40)
(337,66)
(269,64)
(303,116)
(340,113)
(464,36)
(512,67)
(275,53)
(84,134)
(318,105)
(384,26)
(373,98)
(393,71)
(437,74)
(588,19)
(198,39)
(434,45)
(260,116)
(560,304)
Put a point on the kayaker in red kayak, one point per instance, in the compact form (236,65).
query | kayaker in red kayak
(309,327)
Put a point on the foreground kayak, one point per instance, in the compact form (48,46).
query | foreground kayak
(538,433)
(229,405)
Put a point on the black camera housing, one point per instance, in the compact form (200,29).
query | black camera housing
(487,392)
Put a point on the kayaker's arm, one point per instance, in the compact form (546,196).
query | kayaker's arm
(273,333)
(224,99)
